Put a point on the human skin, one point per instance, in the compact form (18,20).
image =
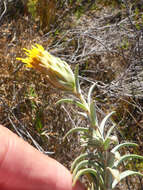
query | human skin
(22,167)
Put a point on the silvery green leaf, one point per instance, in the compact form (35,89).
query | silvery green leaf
(77,160)
(77,79)
(89,94)
(96,134)
(77,103)
(77,129)
(127,157)
(110,131)
(125,174)
(116,148)
(92,186)
(87,163)
(117,155)
(92,113)
(83,114)
(102,125)
(80,165)
(93,116)
(88,171)
(115,173)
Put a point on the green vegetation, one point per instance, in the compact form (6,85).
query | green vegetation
(105,39)
(100,159)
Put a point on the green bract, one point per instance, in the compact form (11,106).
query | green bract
(58,72)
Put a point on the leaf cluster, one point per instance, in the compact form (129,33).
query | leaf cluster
(100,160)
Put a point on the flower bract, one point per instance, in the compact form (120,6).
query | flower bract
(58,72)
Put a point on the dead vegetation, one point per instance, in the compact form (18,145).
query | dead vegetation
(107,43)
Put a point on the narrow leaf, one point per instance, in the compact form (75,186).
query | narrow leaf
(93,116)
(127,157)
(110,131)
(77,160)
(115,173)
(102,125)
(77,129)
(83,114)
(88,163)
(116,148)
(89,93)
(77,79)
(125,174)
(80,165)
(83,172)
(77,103)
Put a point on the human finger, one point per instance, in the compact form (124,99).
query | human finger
(22,167)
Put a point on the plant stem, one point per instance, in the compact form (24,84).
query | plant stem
(83,101)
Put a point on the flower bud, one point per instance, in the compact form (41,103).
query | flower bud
(58,72)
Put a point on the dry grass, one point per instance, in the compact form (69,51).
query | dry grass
(27,101)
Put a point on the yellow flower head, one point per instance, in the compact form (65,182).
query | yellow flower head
(58,72)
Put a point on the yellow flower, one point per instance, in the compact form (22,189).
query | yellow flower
(58,72)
